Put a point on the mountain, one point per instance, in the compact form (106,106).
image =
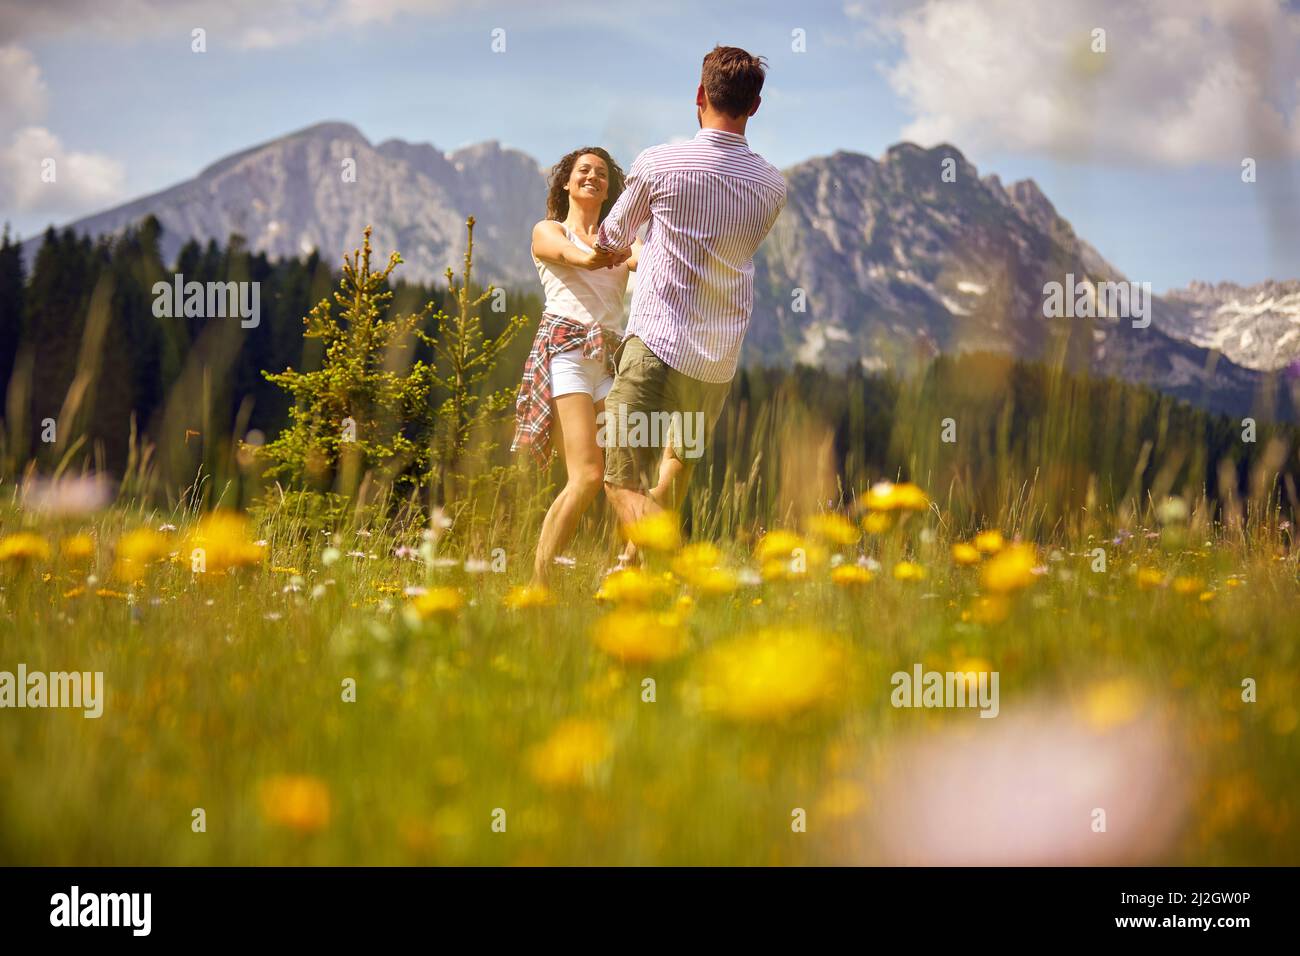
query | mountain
(1256,326)
(889,260)
(894,262)
(289,196)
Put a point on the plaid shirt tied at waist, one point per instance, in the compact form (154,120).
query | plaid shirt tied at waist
(533,411)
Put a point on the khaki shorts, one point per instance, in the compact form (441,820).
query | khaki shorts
(653,406)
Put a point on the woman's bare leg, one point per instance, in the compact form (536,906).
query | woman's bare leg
(574,431)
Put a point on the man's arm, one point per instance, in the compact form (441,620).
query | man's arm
(631,211)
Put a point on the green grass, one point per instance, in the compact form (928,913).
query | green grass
(218,682)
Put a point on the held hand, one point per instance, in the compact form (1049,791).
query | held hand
(603,258)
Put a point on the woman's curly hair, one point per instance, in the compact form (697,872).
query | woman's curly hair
(557,200)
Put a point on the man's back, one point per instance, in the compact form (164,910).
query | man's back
(709,202)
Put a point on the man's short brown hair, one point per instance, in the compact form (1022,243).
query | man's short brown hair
(732,80)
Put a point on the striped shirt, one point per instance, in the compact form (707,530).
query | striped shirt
(709,202)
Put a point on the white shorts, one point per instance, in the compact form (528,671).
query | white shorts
(571,373)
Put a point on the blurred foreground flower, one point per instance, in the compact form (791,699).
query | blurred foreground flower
(1011,569)
(527,596)
(965,554)
(136,550)
(1043,787)
(771,675)
(224,540)
(23,548)
(67,497)
(633,586)
(640,636)
(909,571)
(850,575)
(834,528)
(440,602)
(700,566)
(571,755)
(295,801)
(78,548)
(659,531)
(887,496)
(988,542)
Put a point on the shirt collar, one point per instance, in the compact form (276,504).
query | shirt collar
(721,136)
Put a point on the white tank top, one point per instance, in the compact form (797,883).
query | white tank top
(584,295)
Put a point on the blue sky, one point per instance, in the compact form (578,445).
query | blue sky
(1138,145)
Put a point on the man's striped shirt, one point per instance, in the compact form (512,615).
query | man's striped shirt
(709,202)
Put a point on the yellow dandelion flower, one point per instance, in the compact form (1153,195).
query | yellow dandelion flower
(1010,569)
(640,636)
(699,556)
(887,496)
(877,522)
(715,582)
(572,753)
(1148,578)
(850,575)
(223,540)
(23,547)
(442,602)
(1112,703)
(778,544)
(989,609)
(965,554)
(1187,586)
(834,528)
(527,596)
(771,675)
(633,586)
(909,571)
(295,801)
(699,566)
(660,531)
(989,542)
(843,798)
(78,548)
(136,550)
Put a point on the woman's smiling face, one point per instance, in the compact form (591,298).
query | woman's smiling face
(589,179)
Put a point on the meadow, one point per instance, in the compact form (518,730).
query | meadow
(387,694)
(318,644)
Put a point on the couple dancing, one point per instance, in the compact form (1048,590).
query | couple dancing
(706,204)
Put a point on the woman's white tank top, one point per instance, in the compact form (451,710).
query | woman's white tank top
(584,295)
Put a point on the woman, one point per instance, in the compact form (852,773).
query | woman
(570,368)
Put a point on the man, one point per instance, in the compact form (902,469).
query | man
(708,202)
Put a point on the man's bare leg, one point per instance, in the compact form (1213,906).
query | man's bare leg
(668,493)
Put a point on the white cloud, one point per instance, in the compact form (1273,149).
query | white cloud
(237,24)
(1181,81)
(25,95)
(81,182)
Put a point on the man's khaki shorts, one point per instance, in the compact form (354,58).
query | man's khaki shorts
(653,406)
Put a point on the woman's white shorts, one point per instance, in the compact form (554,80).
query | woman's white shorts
(571,373)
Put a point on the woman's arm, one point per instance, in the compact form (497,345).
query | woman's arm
(551,245)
